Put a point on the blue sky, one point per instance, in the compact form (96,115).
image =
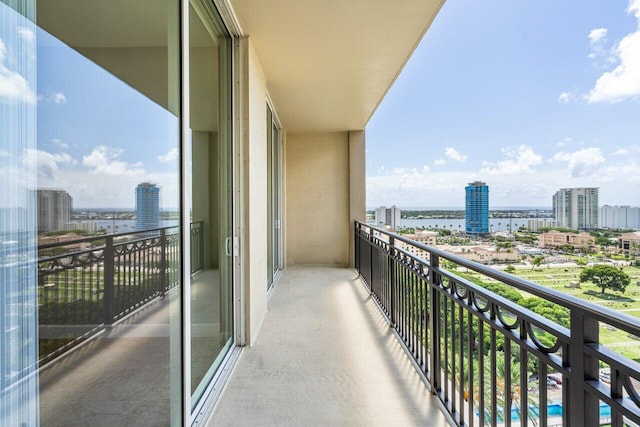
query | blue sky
(97,137)
(528,96)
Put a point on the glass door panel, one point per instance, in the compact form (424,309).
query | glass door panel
(273,198)
(108,279)
(211,195)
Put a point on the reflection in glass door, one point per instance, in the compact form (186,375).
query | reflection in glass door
(109,290)
(211,195)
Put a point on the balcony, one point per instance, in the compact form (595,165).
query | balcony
(490,360)
(325,356)
(86,285)
(363,347)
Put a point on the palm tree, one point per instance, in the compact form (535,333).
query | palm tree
(500,386)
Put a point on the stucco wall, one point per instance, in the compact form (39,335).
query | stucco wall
(255,193)
(317,195)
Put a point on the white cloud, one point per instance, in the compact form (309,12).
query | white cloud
(27,34)
(634,8)
(453,154)
(585,162)
(623,82)
(597,35)
(169,157)
(47,164)
(440,162)
(60,143)
(564,142)
(564,98)
(621,152)
(518,160)
(13,86)
(417,188)
(64,158)
(59,98)
(597,40)
(105,161)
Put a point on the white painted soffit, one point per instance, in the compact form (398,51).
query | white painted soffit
(329,63)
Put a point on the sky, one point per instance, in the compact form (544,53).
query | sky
(97,137)
(527,96)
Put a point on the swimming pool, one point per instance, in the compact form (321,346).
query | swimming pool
(555,410)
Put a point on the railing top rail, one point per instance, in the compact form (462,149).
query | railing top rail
(103,236)
(603,314)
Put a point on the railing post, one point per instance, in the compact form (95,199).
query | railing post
(392,281)
(583,406)
(109,267)
(371,261)
(163,262)
(434,325)
(201,245)
(356,247)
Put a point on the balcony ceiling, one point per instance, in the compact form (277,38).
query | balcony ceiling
(329,63)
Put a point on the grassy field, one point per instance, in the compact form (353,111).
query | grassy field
(628,303)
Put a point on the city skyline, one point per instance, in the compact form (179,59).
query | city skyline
(528,97)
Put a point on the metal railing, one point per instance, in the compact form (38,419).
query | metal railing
(85,285)
(490,360)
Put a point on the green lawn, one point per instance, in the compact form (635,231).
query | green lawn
(628,303)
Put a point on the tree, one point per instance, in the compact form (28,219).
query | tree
(537,261)
(606,277)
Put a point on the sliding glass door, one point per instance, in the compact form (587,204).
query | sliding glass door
(274,234)
(211,195)
(108,194)
(116,214)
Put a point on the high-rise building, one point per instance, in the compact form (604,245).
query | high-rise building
(147,206)
(388,217)
(537,224)
(54,210)
(477,207)
(625,217)
(576,208)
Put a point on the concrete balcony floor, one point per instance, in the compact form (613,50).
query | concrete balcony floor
(325,356)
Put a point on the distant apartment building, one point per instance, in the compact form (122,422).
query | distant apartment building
(630,243)
(426,238)
(535,225)
(147,206)
(90,227)
(484,254)
(388,217)
(625,217)
(54,210)
(477,207)
(554,239)
(576,208)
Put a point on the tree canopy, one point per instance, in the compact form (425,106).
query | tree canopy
(606,277)
(537,261)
